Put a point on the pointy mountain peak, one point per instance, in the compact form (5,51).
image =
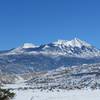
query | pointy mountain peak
(74,43)
(78,43)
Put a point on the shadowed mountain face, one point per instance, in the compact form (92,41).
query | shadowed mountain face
(30,58)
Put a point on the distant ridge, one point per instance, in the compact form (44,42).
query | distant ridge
(73,48)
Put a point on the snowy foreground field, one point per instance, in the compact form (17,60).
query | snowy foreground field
(30,94)
(61,95)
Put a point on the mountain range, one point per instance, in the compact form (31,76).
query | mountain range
(62,64)
(30,58)
(73,48)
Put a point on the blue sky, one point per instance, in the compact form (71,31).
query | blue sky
(44,21)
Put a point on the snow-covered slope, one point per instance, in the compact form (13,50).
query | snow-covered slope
(75,47)
(21,49)
(69,78)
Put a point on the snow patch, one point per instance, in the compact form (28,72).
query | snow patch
(29,45)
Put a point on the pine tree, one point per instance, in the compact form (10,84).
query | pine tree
(6,94)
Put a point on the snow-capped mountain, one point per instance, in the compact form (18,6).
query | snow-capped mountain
(30,57)
(73,48)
